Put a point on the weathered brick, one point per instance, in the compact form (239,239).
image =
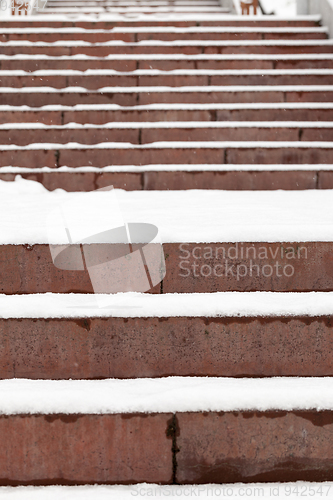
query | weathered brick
(254,447)
(262,266)
(93,348)
(232,180)
(84,449)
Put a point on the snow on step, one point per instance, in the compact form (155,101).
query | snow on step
(171,43)
(171,145)
(163,89)
(170,305)
(181,216)
(289,491)
(171,394)
(171,57)
(166,29)
(179,72)
(228,167)
(167,125)
(109,17)
(172,107)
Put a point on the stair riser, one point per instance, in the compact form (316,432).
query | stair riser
(254,446)
(34,65)
(101,117)
(95,82)
(233,180)
(85,449)
(110,24)
(24,137)
(133,37)
(159,347)
(141,98)
(127,449)
(308,267)
(103,51)
(104,157)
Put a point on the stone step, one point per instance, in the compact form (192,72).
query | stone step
(145,133)
(185,446)
(54,155)
(148,336)
(76,47)
(102,114)
(136,34)
(163,62)
(179,177)
(298,257)
(109,21)
(133,96)
(97,79)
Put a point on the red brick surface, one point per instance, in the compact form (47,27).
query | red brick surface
(187,272)
(25,269)
(85,181)
(232,180)
(93,348)
(30,269)
(254,446)
(131,99)
(325,180)
(84,449)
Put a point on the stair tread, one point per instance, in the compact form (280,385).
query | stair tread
(206,216)
(168,305)
(164,395)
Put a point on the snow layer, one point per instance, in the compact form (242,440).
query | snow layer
(170,57)
(181,216)
(163,89)
(210,167)
(165,125)
(206,43)
(264,491)
(172,106)
(142,17)
(164,395)
(166,29)
(137,305)
(178,72)
(172,145)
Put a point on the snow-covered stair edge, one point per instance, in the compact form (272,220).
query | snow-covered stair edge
(172,305)
(264,491)
(227,167)
(207,216)
(164,395)
(110,17)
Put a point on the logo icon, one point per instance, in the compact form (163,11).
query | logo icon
(93,236)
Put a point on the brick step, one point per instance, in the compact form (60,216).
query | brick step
(184,447)
(137,34)
(216,335)
(132,96)
(29,268)
(143,133)
(97,79)
(113,21)
(126,492)
(179,177)
(39,155)
(304,265)
(182,10)
(170,62)
(74,47)
(102,114)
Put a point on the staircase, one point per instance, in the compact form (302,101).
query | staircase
(218,130)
